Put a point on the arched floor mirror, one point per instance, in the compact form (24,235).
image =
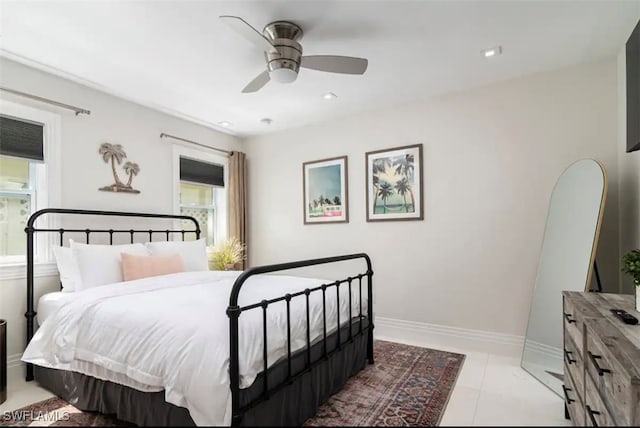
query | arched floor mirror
(566,263)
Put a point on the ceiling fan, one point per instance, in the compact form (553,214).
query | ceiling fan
(283,52)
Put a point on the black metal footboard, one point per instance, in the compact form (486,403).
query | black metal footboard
(234,311)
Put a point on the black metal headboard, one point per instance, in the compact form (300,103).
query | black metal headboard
(31,230)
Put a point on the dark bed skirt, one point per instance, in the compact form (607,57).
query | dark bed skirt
(289,406)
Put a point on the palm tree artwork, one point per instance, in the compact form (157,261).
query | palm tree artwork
(385,191)
(405,167)
(115,154)
(402,188)
(379,167)
(398,170)
(395,189)
(131,169)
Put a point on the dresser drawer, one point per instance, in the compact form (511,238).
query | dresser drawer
(573,320)
(608,377)
(574,365)
(596,413)
(573,401)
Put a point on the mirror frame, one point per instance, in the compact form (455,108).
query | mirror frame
(592,259)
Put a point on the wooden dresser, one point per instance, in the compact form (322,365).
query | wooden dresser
(601,360)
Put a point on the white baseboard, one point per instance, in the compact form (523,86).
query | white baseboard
(434,336)
(15,368)
(541,348)
(544,355)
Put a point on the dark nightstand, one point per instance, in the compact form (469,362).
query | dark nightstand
(3,361)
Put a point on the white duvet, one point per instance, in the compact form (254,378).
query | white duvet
(172,332)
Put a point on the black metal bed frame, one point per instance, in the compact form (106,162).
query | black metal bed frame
(234,311)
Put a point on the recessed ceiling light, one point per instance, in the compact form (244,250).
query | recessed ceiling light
(224,124)
(491,52)
(329,96)
(266,120)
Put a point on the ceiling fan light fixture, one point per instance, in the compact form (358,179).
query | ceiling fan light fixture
(283,75)
(280,41)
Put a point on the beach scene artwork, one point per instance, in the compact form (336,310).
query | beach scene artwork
(325,191)
(394,184)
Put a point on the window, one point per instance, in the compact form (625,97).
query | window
(29,181)
(197,200)
(17,197)
(201,191)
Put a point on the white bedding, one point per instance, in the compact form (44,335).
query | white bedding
(172,333)
(49,303)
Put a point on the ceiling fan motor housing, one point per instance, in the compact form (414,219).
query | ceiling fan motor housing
(284,65)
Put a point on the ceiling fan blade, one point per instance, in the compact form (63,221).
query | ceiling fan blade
(243,28)
(335,64)
(256,84)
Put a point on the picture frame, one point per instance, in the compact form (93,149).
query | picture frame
(325,191)
(394,184)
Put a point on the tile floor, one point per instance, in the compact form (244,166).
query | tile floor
(491,390)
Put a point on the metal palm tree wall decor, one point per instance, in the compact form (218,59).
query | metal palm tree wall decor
(114,153)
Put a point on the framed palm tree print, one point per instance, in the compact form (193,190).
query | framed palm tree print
(394,184)
(325,191)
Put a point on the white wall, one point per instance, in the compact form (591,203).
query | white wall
(492,156)
(629,184)
(83,171)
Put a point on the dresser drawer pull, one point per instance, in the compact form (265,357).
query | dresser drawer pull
(569,318)
(567,356)
(591,414)
(566,394)
(594,360)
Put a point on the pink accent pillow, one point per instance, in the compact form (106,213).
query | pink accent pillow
(136,267)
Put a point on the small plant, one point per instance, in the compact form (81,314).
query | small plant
(631,265)
(226,254)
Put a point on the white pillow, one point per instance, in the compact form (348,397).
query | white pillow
(67,268)
(194,253)
(101,264)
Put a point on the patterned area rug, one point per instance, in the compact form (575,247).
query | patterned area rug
(407,386)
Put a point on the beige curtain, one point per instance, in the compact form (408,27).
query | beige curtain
(238,200)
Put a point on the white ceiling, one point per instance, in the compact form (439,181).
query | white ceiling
(176,56)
